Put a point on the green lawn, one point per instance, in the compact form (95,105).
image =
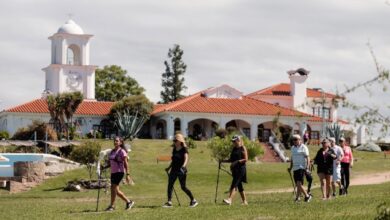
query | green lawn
(48,201)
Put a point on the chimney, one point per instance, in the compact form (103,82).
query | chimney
(298,88)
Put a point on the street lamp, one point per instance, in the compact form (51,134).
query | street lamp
(323,133)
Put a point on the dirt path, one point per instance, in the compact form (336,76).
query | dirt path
(364,179)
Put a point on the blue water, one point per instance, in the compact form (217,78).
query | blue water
(7,167)
(14,157)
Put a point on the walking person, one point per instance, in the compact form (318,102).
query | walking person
(336,178)
(119,167)
(346,165)
(299,164)
(238,159)
(324,161)
(178,170)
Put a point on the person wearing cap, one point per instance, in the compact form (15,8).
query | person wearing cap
(238,159)
(336,178)
(299,163)
(324,161)
(346,164)
(178,170)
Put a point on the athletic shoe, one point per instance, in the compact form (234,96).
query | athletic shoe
(227,201)
(244,203)
(129,205)
(307,199)
(167,205)
(110,208)
(193,203)
(298,199)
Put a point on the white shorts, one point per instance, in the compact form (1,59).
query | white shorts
(336,174)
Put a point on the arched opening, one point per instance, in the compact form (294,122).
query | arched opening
(73,55)
(241,126)
(202,129)
(177,125)
(161,129)
(281,131)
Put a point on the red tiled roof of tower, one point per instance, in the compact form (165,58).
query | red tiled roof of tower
(283,89)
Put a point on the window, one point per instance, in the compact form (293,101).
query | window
(247,132)
(315,135)
(318,110)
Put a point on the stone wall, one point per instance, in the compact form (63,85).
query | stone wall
(32,171)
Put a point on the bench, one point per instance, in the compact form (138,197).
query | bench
(164,158)
(386,152)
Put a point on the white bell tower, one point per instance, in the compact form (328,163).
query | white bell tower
(70,70)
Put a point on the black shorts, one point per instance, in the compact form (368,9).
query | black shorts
(116,178)
(298,175)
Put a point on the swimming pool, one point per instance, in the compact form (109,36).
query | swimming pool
(7,167)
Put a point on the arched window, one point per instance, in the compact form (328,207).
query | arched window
(73,55)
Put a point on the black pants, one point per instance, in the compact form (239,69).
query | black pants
(345,175)
(173,175)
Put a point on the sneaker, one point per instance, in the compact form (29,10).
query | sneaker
(167,205)
(307,199)
(193,203)
(227,201)
(244,203)
(298,199)
(341,192)
(110,208)
(129,205)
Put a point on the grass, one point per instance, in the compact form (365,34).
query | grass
(48,201)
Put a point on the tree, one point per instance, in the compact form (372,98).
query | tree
(173,77)
(61,107)
(112,84)
(129,114)
(87,154)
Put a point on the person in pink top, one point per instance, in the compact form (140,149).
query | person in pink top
(346,164)
(119,167)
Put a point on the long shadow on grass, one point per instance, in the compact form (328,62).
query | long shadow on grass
(54,189)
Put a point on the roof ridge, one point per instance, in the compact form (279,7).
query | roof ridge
(181,101)
(265,89)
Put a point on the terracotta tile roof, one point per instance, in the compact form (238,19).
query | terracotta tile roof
(283,89)
(85,108)
(245,106)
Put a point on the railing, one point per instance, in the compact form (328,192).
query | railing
(278,147)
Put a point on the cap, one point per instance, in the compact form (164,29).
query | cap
(296,136)
(342,139)
(180,138)
(235,137)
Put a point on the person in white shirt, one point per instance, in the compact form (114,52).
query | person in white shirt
(336,178)
(299,163)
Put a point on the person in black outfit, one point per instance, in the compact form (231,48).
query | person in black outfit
(238,159)
(324,160)
(178,170)
(309,177)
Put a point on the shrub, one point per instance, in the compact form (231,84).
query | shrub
(222,147)
(190,143)
(221,132)
(87,154)
(40,127)
(4,135)
(383,212)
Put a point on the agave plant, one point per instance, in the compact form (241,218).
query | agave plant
(334,130)
(129,124)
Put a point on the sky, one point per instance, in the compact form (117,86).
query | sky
(247,44)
